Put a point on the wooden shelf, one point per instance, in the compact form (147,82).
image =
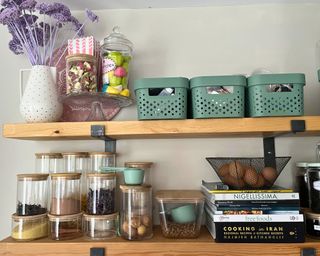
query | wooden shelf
(202,246)
(162,128)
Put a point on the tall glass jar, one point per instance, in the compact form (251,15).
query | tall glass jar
(65,193)
(146,166)
(48,162)
(101,159)
(136,212)
(81,73)
(116,57)
(32,194)
(302,184)
(76,161)
(101,191)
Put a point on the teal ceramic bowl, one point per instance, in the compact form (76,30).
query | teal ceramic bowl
(133,176)
(184,214)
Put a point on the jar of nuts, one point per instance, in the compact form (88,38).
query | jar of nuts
(136,212)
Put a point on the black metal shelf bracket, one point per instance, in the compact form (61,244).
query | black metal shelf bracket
(98,131)
(308,252)
(97,252)
(269,145)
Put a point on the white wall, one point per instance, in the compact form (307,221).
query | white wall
(182,42)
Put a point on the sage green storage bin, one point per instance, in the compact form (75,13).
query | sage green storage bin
(263,102)
(206,105)
(162,107)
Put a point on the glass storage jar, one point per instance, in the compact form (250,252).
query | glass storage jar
(313,179)
(65,193)
(145,166)
(32,196)
(312,223)
(136,212)
(48,162)
(75,161)
(116,56)
(101,159)
(302,184)
(101,191)
(180,212)
(101,227)
(65,227)
(81,73)
(27,228)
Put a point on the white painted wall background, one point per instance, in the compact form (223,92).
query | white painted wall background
(182,42)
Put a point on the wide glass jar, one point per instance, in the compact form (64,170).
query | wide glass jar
(312,223)
(27,228)
(101,159)
(116,55)
(101,227)
(302,183)
(81,73)
(65,227)
(76,161)
(313,179)
(145,166)
(32,196)
(136,212)
(65,193)
(101,191)
(48,162)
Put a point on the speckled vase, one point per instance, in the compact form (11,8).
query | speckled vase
(40,101)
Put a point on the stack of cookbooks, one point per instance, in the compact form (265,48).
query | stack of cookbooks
(253,215)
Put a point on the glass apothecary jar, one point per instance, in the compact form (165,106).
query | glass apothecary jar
(101,191)
(180,212)
(65,193)
(75,161)
(65,227)
(49,162)
(146,166)
(116,55)
(136,212)
(28,228)
(312,223)
(81,73)
(101,159)
(302,183)
(101,227)
(313,179)
(32,195)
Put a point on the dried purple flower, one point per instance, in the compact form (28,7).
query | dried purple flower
(92,16)
(78,26)
(15,46)
(9,14)
(28,5)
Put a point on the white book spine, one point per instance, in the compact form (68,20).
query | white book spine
(254,196)
(258,218)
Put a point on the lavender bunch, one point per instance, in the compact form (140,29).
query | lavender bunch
(38,29)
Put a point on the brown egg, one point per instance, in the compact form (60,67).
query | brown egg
(270,174)
(233,182)
(146,220)
(223,170)
(141,230)
(260,183)
(250,176)
(236,170)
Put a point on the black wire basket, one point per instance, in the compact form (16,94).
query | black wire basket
(247,172)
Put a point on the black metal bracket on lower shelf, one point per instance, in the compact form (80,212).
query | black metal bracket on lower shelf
(98,131)
(308,252)
(97,252)
(269,146)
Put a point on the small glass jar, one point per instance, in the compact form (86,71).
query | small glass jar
(81,73)
(101,227)
(302,184)
(48,162)
(146,166)
(312,223)
(32,195)
(65,227)
(101,191)
(313,179)
(180,213)
(136,212)
(101,159)
(65,193)
(116,56)
(27,228)
(75,161)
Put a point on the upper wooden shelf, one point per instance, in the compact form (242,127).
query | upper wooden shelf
(162,128)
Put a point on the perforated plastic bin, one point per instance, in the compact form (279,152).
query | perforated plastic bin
(275,95)
(218,96)
(162,98)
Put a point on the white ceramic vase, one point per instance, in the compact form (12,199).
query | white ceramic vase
(39,102)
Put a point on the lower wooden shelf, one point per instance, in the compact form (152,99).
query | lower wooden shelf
(158,246)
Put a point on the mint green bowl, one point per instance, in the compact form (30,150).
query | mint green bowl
(184,214)
(133,176)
